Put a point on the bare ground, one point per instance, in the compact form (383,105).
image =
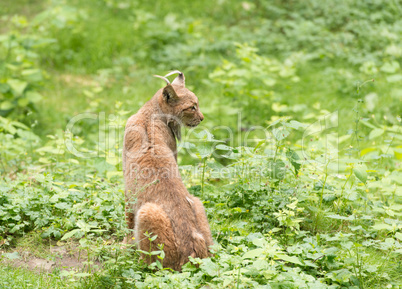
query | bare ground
(60,258)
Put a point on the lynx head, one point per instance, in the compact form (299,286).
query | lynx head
(179,104)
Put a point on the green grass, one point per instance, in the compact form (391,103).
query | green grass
(11,277)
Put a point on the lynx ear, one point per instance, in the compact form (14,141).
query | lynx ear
(179,80)
(169,94)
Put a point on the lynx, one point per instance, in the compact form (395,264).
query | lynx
(157,201)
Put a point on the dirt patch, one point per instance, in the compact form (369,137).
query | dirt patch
(60,258)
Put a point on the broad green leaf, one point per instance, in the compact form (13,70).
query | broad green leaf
(294,158)
(390,67)
(33,96)
(18,86)
(86,227)
(226,282)
(398,236)
(143,252)
(292,205)
(4,87)
(70,234)
(55,198)
(209,267)
(62,206)
(187,145)
(280,133)
(253,253)
(32,75)
(113,160)
(277,170)
(23,102)
(269,81)
(394,78)
(6,105)
(291,259)
(382,227)
(20,125)
(44,160)
(295,124)
(260,264)
(367,150)
(276,122)
(223,147)
(338,217)
(360,172)
(347,245)
(376,133)
(205,149)
(260,242)
(343,276)
(260,143)
(11,256)
(204,135)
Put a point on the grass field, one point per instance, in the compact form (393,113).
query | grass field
(298,160)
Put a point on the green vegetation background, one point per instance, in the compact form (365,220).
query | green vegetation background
(316,203)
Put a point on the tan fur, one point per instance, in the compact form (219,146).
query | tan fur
(157,201)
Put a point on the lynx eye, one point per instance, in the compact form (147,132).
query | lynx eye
(194,108)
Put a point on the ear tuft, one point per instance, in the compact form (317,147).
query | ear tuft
(179,80)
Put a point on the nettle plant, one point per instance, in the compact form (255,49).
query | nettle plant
(251,80)
(283,189)
(20,76)
(257,181)
(251,74)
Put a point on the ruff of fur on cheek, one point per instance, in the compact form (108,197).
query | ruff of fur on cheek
(175,128)
(172,122)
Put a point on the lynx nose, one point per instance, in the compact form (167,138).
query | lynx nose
(201,116)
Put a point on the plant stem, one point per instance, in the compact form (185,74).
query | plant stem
(2,164)
(238,278)
(324,183)
(203,174)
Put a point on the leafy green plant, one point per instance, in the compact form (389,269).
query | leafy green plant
(20,77)
(294,208)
